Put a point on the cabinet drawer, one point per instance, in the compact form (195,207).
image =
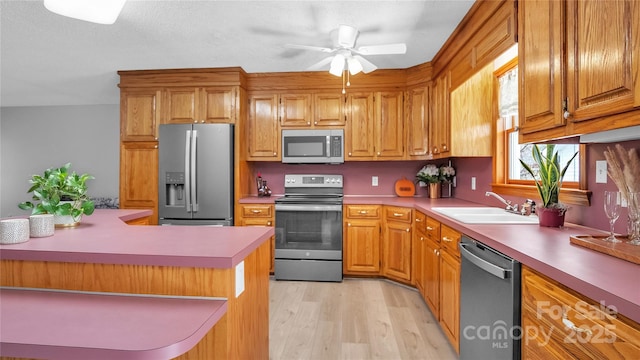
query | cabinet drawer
(421,222)
(257,210)
(432,230)
(585,328)
(449,240)
(395,213)
(362,211)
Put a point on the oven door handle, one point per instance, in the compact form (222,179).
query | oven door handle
(307,207)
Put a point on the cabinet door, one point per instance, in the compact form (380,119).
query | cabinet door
(262,130)
(139,111)
(418,123)
(181,105)
(362,247)
(440,126)
(431,267)
(139,177)
(540,39)
(397,251)
(218,105)
(418,260)
(601,57)
(295,110)
(450,298)
(359,131)
(389,131)
(329,109)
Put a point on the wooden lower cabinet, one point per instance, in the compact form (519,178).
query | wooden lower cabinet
(417,251)
(139,176)
(450,298)
(560,323)
(396,244)
(259,215)
(361,241)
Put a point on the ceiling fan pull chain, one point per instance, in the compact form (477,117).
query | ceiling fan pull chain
(343,90)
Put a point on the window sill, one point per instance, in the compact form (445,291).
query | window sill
(567,196)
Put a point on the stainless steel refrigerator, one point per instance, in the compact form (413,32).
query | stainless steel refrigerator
(196,174)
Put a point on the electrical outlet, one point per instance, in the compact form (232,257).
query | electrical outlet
(601,171)
(374,181)
(473,183)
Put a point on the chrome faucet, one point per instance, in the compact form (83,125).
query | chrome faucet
(509,205)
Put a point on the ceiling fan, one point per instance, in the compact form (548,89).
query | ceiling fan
(344,53)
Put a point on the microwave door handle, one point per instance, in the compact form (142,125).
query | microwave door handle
(187,173)
(328,146)
(194,171)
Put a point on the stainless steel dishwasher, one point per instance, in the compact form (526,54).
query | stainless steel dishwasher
(489,303)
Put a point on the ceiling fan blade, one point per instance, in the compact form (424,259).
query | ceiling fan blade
(320,64)
(347,36)
(383,49)
(308,47)
(367,66)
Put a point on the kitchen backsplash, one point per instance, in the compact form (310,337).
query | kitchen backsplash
(357,181)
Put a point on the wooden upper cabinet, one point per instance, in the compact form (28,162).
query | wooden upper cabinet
(602,54)
(578,67)
(359,131)
(263,137)
(295,110)
(139,109)
(375,126)
(390,125)
(418,123)
(329,109)
(200,105)
(540,39)
(472,114)
(439,126)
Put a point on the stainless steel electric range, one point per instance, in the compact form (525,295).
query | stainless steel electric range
(309,228)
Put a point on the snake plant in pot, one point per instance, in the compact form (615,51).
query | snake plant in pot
(61,193)
(548,179)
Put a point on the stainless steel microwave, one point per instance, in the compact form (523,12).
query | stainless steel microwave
(313,146)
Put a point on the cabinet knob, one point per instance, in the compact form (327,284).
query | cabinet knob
(568,323)
(408,230)
(421,238)
(566,115)
(155,146)
(156,138)
(349,154)
(348,224)
(447,239)
(275,154)
(429,228)
(363,212)
(444,147)
(308,122)
(435,150)
(378,153)
(397,214)
(418,220)
(268,223)
(256,211)
(315,123)
(195,121)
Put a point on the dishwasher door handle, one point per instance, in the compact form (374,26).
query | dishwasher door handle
(492,269)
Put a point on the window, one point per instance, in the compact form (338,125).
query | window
(510,178)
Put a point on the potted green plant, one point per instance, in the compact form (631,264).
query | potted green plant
(61,193)
(548,179)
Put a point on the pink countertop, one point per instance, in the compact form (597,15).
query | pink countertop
(600,277)
(80,325)
(105,238)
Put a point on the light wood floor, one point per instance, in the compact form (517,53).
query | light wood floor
(355,319)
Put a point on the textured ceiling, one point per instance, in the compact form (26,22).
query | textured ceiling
(47,59)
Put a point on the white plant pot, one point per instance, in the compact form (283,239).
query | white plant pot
(63,221)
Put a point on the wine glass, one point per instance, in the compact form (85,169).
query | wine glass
(634,218)
(612,210)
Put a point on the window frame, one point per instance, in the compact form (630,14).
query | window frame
(574,193)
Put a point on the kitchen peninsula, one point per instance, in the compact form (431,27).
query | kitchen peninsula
(105,254)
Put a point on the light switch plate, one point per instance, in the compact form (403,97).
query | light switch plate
(374,181)
(473,183)
(601,171)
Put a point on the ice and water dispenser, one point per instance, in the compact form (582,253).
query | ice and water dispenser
(174,183)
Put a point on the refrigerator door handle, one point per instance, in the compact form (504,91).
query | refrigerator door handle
(187,173)
(194,171)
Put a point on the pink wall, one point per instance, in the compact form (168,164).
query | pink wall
(357,181)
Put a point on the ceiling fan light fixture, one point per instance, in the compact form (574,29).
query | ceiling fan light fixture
(354,65)
(96,11)
(337,65)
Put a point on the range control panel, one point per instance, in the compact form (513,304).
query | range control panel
(319,181)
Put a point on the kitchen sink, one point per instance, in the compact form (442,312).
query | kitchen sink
(485,215)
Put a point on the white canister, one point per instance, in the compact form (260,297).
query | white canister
(14,231)
(41,225)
